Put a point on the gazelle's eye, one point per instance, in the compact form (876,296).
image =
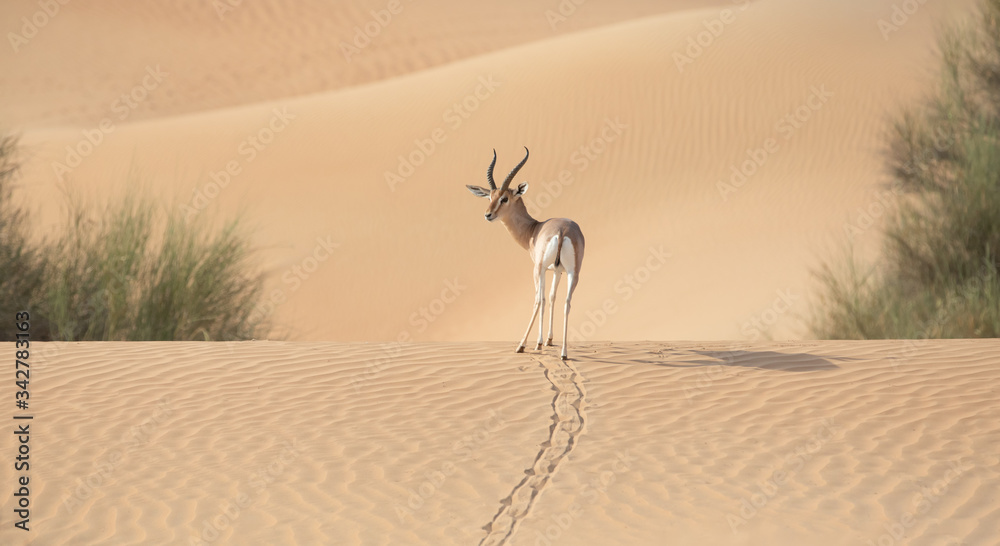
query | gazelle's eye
(503,199)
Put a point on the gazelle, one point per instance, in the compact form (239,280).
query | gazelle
(556,244)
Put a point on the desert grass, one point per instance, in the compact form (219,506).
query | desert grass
(127,271)
(21,264)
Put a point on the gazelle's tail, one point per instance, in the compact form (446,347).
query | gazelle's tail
(559,248)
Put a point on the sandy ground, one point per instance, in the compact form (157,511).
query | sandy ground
(352,171)
(708,179)
(467,443)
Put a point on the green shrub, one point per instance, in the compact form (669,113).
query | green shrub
(21,265)
(938,276)
(134,275)
(130,274)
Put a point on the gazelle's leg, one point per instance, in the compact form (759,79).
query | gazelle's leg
(539,291)
(541,309)
(571,280)
(552,303)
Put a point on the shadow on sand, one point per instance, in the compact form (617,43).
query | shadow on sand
(765,360)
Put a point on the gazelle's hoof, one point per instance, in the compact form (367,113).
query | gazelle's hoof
(520,349)
(564,357)
(538,347)
(549,342)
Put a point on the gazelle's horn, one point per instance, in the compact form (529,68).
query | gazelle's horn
(513,172)
(489,172)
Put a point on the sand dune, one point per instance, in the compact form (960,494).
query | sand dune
(629,443)
(220,54)
(363,187)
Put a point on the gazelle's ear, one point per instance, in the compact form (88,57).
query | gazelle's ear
(479,192)
(521,188)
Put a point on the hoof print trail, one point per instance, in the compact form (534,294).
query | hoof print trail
(568,419)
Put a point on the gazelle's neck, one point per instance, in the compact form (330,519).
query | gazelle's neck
(520,224)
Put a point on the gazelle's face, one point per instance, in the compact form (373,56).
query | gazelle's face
(501,200)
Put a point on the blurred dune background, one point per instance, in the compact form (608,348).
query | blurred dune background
(352,131)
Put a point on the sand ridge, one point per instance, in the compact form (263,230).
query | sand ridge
(719,443)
